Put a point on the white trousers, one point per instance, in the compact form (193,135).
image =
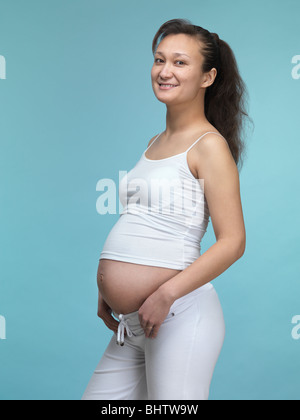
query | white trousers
(176,365)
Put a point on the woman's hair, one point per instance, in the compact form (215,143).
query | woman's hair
(225,99)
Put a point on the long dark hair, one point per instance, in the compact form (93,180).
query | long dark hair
(225,99)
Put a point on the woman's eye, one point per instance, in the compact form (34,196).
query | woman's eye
(157,60)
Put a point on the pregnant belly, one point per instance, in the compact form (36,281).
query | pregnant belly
(125,286)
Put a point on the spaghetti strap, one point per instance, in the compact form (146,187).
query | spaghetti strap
(209,132)
(152,142)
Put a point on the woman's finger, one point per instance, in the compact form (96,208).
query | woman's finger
(112,326)
(154,331)
(109,321)
(148,330)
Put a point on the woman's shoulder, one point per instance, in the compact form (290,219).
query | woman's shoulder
(212,139)
(211,153)
(153,138)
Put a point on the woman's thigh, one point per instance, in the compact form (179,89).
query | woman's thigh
(120,374)
(181,360)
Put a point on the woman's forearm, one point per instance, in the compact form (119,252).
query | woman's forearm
(217,259)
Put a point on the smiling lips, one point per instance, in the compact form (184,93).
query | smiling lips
(165,86)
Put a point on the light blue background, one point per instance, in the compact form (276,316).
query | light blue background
(77,106)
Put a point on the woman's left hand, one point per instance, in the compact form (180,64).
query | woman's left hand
(153,312)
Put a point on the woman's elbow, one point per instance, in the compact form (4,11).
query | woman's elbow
(241,247)
(235,247)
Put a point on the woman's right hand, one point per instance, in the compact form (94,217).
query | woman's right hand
(105,313)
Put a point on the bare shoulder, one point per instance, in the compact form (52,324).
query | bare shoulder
(212,153)
(153,138)
(213,141)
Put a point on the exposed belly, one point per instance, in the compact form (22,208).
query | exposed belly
(125,286)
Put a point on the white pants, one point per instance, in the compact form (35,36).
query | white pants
(176,365)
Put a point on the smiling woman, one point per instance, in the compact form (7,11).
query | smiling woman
(155,290)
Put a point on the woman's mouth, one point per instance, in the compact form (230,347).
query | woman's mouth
(165,86)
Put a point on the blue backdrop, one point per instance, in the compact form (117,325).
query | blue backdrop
(76,106)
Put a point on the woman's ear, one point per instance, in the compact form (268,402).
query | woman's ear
(209,78)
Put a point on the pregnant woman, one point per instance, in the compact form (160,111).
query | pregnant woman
(155,290)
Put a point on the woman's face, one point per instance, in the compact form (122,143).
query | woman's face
(176,73)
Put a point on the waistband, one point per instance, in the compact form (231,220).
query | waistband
(131,324)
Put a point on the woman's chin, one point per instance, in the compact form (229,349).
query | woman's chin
(166,101)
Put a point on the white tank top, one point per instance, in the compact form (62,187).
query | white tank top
(165,214)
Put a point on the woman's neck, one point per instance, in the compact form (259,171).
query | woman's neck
(181,118)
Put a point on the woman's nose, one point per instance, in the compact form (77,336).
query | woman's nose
(166,71)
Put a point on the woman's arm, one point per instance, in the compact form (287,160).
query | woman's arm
(216,166)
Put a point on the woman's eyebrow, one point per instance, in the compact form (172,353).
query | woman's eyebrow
(175,54)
